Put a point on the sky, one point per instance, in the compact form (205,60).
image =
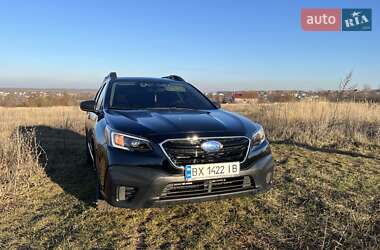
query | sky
(216,45)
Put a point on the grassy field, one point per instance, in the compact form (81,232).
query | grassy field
(326,193)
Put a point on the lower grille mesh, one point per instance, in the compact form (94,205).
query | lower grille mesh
(207,187)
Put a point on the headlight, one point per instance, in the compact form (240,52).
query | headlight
(258,137)
(130,143)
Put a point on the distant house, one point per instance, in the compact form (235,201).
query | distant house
(221,97)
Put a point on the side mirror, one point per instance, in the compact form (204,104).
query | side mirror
(88,106)
(217,104)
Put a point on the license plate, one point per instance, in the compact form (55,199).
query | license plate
(211,171)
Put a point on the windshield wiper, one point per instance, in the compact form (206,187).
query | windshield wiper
(172,108)
(179,109)
(160,108)
(116,108)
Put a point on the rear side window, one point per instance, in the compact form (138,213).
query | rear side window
(145,95)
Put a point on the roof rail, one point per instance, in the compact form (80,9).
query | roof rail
(111,75)
(174,77)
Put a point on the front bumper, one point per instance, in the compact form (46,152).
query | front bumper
(149,184)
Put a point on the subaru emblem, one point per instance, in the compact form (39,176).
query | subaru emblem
(211,146)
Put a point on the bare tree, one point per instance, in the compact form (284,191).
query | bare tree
(344,85)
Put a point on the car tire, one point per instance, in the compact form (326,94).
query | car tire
(103,205)
(100,202)
(98,193)
(88,155)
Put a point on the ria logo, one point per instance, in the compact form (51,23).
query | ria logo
(211,146)
(357,19)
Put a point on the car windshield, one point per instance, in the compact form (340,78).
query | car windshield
(156,95)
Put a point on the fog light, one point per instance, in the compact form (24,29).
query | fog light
(125,193)
(247,181)
(268,178)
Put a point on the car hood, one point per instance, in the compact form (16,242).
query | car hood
(169,123)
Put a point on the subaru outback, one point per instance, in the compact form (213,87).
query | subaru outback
(160,141)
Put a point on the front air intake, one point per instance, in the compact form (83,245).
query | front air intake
(184,152)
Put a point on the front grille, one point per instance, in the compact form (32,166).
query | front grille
(186,152)
(206,187)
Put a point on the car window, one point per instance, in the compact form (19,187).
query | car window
(145,95)
(100,101)
(98,93)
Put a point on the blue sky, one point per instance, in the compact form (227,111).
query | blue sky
(213,44)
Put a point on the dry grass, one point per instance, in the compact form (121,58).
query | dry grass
(321,124)
(19,163)
(324,197)
(20,153)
